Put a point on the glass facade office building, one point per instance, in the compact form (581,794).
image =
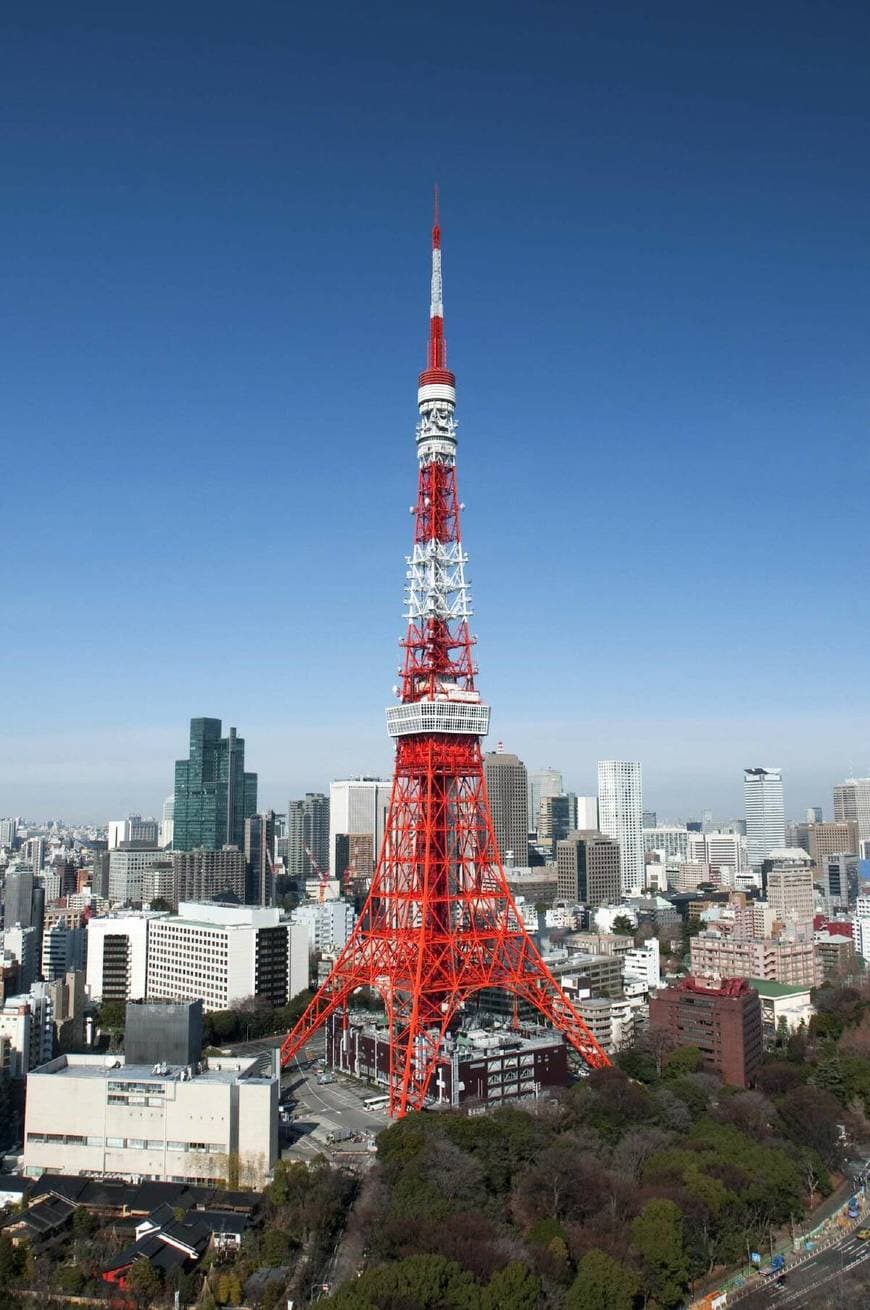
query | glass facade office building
(213,794)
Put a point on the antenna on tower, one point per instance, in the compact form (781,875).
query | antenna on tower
(436,218)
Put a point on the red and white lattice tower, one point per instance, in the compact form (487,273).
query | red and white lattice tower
(439,923)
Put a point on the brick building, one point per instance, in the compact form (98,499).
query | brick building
(722,1019)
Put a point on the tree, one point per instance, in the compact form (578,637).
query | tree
(812,1117)
(426,1282)
(143,1282)
(657,1234)
(161,903)
(513,1288)
(112,1016)
(602,1283)
(685,1059)
(623,926)
(275,1247)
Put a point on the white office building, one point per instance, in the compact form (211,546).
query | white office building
(852,804)
(117,956)
(765,814)
(672,840)
(642,968)
(587,813)
(167,823)
(328,925)
(358,807)
(225,953)
(720,849)
(127,871)
(97,1116)
(620,815)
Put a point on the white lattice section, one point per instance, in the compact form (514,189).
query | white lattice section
(436,582)
(425,716)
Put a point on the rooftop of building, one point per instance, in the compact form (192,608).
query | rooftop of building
(225,1070)
(771,990)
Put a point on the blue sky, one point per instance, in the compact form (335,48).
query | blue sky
(214,228)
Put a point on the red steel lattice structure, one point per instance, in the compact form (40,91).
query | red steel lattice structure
(439,923)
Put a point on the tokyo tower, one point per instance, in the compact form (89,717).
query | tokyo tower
(439,923)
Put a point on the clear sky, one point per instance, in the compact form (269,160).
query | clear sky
(214,235)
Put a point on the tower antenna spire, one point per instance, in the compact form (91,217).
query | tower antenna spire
(439,924)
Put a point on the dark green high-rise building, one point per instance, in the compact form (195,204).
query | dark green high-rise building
(213,794)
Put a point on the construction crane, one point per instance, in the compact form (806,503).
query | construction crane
(322,874)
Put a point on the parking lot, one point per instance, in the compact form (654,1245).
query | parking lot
(315,1113)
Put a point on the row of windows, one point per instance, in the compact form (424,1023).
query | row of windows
(126,1143)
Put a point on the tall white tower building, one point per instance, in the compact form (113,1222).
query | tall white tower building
(620,815)
(358,807)
(765,813)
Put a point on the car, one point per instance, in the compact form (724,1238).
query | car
(864,1234)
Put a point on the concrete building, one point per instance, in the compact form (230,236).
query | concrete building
(555,818)
(99,1116)
(308,830)
(157,1032)
(836,954)
(826,839)
(765,813)
(723,1022)
(127,867)
(588,869)
(475,1067)
(357,806)
(204,875)
(620,814)
(167,823)
(642,967)
(587,814)
(718,849)
(24,946)
(715,955)
(672,840)
(328,924)
(614,1021)
(224,954)
(507,787)
(132,829)
(790,892)
(783,1005)
(117,956)
(852,805)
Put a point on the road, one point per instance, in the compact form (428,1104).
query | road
(320,1109)
(827,1279)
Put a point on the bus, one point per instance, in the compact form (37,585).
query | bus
(376,1103)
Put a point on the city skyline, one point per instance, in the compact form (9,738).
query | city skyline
(692,296)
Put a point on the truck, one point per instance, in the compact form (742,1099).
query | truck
(339,1135)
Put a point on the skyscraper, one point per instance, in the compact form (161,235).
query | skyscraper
(852,805)
(507,787)
(620,815)
(542,782)
(213,794)
(259,848)
(308,830)
(357,806)
(18,898)
(765,813)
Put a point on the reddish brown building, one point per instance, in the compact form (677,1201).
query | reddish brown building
(723,1019)
(488,1068)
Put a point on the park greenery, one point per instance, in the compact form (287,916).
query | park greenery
(628,1190)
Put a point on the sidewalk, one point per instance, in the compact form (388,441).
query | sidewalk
(828,1227)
